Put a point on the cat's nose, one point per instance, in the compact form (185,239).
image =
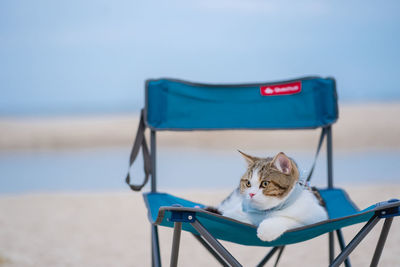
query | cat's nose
(251,195)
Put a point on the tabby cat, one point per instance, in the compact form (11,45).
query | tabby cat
(270,196)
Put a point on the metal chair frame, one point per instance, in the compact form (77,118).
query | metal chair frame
(223,256)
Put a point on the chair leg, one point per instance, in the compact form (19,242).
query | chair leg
(356,240)
(331,248)
(212,252)
(215,244)
(268,256)
(342,246)
(381,242)
(155,247)
(175,244)
(279,256)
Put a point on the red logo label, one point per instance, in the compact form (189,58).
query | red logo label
(281,89)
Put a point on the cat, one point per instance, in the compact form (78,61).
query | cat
(270,196)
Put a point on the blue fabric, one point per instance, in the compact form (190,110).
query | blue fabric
(338,205)
(179,105)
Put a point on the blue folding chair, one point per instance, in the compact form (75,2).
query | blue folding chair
(304,103)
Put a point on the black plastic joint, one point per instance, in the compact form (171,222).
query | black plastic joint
(182,216)
(389,212)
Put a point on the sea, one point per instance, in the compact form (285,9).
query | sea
(104,169)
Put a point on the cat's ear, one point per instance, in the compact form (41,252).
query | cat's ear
(282,163)
(249,159)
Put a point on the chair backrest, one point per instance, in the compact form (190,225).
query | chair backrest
(304,103)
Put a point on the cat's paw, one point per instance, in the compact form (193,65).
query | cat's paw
(269,230)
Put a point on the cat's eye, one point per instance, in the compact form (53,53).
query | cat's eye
(264,184)
(248,184)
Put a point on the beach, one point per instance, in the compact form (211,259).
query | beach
(100,227)
(76,75)
(111,229)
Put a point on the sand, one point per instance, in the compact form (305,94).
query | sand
(111,229)
(359,127)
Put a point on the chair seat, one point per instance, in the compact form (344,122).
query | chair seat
(341,210)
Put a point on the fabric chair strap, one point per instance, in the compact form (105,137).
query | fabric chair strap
(140,142)
(321,140)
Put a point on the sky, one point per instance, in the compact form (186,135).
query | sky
(93,56)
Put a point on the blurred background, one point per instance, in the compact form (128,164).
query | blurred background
(72,79)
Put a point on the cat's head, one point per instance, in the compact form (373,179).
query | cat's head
(268,181)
